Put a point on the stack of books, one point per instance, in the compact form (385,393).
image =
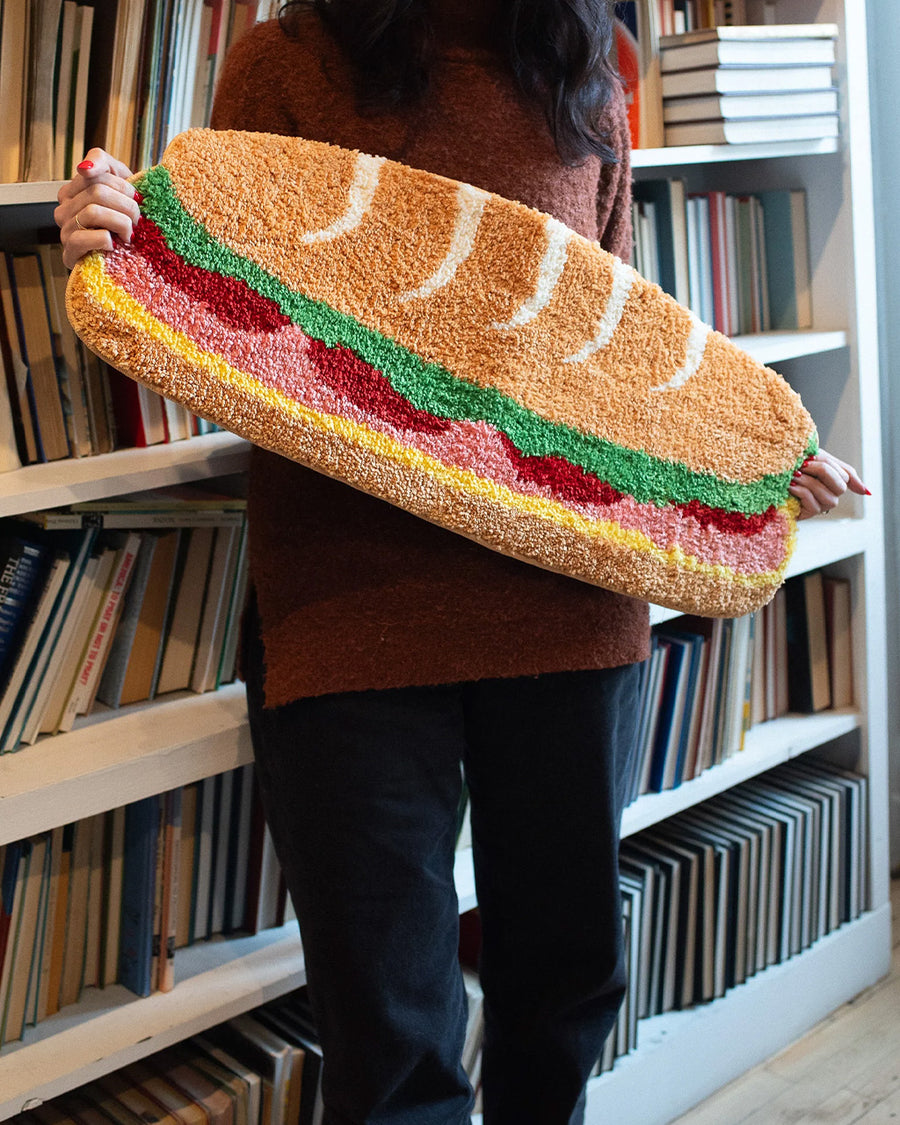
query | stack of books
(750,84)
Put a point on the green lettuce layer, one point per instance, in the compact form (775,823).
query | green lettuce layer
(431,387)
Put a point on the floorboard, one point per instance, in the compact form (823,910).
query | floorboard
(846,1071)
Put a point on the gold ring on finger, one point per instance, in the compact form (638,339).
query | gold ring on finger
(77,224)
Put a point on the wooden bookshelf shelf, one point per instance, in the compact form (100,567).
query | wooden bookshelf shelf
(678,156)
(111,1027)
(138,752)
(776,347)
(19,195)
(127,470)
(766,745)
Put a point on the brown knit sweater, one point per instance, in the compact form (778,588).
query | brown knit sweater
(354,593)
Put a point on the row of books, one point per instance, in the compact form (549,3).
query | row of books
(44,56)
(56,398)
(262,1068)
(127,76)
(708,681)
(134,602)
(740,262)
(109,899)
(740,883)
(674,17)
(699,73)
(163,59)
(771,109)
(710,898)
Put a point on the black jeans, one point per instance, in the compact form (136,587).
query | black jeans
(361,792)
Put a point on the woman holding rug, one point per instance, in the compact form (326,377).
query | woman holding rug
(382,654)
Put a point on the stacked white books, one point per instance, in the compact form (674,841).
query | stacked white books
(746,84)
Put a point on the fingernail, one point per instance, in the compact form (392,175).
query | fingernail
(85,166)
(797,475)
(867,491)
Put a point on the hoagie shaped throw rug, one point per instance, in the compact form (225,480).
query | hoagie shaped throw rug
(459,355)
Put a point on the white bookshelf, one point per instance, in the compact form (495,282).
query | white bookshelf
(681,155)
(114,759)
(55,483)
(683,1057)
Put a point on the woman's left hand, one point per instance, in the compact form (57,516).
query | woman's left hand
(822,481)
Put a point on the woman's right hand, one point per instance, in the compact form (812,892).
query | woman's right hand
(95,206)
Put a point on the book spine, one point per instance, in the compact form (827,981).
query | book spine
(138,888)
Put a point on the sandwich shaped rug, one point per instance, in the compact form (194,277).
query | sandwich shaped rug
(457,354)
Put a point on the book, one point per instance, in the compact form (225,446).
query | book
(57,953)
(759,130)
(37,624)
(84,618)
(146,644)
(63,85)
(16,373)
(169,889)
(255,1046)
(201,888)
(29,300)
(669,200)
(247,1075)
(75,125)
(109,690)
(139,880)
(90,974)
(26,959)
(636,42)
(180,639)
(97,394)
(184,506)
(138,412)
(94,657)
(15,48)
(807,644)
(51,918)
(187,858)
(39,103)
(752,45)
(23,710)
(750,80)
(123,1089)
(76,911)
(216,604)
(839,639)
(728,107)
(60,669)
(163,1094)
(24,561)
(65,343)
(787,258)
(9,447)
(113,875)
(176,1065)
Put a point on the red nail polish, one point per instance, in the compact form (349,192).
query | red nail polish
(867,491)
(85,166)
(797,475)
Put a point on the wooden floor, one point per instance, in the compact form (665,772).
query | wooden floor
(846,1071)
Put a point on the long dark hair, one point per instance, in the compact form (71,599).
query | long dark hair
(558,51)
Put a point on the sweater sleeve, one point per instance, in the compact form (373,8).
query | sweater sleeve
(614,196)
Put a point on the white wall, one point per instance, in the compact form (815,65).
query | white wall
(884,57)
